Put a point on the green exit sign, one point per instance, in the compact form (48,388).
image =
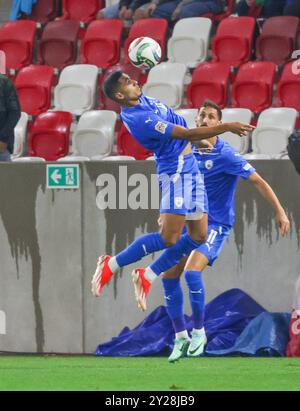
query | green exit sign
(63,176)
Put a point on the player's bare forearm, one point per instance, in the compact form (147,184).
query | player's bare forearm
(200,133)
(267,192)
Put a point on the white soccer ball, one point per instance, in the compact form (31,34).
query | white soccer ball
(144,52)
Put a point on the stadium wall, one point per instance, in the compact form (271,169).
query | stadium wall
(50,241)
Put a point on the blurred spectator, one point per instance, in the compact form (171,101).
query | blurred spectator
(10,113)
(292,8)
(270,8)
(180,9)
(123,10)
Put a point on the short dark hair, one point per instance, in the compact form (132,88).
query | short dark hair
(111,84)
(210,103)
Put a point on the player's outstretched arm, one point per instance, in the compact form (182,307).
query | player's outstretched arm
(266,191)
(196,134)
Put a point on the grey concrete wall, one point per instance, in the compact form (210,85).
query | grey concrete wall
(5,6)
(51,239)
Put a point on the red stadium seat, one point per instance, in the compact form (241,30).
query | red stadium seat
(58,44)
(34,85)
(133,72)
(102,42)
(154,28)
(127,145)
(17,41)
(277,39)
(209,81)
(50,135)
(253,86)
(233,41)
(229,9)
(81,11)
(44,11)
(288,90)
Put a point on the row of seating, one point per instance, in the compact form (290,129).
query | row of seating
(79,87)
(85,12)
(93,138)
(189,43)
(82,11)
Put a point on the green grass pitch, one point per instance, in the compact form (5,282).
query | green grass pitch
(79,373)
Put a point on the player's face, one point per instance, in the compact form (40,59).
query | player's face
(129,90)
(207,117)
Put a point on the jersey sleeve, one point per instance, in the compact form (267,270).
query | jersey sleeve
(150,126)
(237,165)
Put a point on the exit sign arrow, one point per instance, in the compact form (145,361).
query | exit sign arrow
(56,176)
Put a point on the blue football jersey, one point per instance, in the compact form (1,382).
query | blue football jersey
(151,123)
(221,169)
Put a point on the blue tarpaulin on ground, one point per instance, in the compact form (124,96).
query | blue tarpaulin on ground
(21,6)
(235,324)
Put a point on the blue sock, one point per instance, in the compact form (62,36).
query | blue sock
(197,296)
(171,256)
(174,302)
(141,247)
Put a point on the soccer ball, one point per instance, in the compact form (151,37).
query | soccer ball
(144,52)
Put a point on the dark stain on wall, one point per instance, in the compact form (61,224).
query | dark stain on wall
(18,213)
(285,182)
(121,225)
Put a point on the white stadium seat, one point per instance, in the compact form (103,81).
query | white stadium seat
(20,136)
(28,160)
(72,159)
(243,115)
(94,135)
(273,129)
(77,89)
(165,82)
(189,114)
(118,158)
(189,41)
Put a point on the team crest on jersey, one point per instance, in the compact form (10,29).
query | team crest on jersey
(178,202)
(161,127)
(209,164)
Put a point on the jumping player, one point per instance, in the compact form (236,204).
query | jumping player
(163,132)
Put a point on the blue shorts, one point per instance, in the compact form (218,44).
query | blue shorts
(184,192)
(216,236)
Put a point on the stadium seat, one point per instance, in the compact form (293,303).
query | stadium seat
(233,41)
(77,88)
(101,43)
(229,9)
(189,41)
(94,134)
(154,28)
(253,86)
(277,40)
(273,129)
(28,159)
(34,84)
(209,81)
(44,11)
(50,135)
(128,68)
(243,115)
(20,136)
(165,82)
(81,11)
(17,41)
(72,158)
(119,158)
(189,114)
(127,145)
(58,43)
(288,90)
